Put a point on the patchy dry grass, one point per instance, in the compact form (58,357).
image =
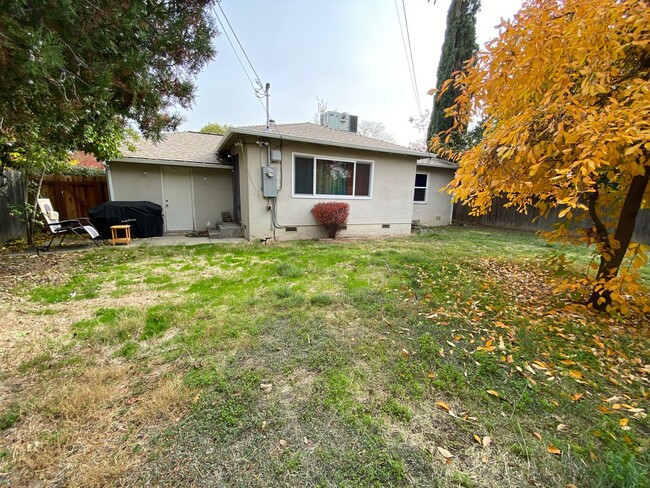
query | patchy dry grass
(436,360)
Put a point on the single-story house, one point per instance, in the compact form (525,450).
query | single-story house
(268,180)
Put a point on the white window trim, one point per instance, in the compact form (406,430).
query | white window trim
(426,191)
(319,196)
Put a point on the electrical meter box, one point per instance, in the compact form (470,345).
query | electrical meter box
(269,181)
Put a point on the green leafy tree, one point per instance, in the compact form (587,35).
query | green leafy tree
(71,70)
(77,75)
(458,47)
(215,128)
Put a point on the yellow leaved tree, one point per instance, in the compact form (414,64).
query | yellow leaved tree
(565,93)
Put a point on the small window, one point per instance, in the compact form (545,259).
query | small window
(420,193)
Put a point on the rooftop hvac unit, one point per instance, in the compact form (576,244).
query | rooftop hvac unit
(339,121)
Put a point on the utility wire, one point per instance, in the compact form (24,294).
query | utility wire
(415,80)
(233,49)
(257,78)
(223,28)
(408,60)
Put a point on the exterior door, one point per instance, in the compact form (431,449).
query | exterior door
(177,193)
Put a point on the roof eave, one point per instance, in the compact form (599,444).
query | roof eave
(309,140)
(172,162)
(439,166)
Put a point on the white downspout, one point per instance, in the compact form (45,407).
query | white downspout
(109,179)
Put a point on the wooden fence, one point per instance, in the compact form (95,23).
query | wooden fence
(509,218)
(11,193)
(72,196)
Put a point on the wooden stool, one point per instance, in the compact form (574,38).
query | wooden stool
(121,240)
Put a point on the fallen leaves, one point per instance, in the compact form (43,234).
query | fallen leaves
(553,450)
(446,455)
(575,397)
(576,375)
(444,406)
(461,415)
(623,423)
(485,441)
(564,355)
(487,347)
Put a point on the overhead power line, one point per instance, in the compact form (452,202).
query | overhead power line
(257,78)
(256,89)
(408,52)
(415,80)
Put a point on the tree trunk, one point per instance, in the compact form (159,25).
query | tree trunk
(31,224)
(608,268)
(25,211)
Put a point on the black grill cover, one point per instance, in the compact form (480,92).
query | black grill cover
(145,218)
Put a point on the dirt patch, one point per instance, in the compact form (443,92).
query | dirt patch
(29,270)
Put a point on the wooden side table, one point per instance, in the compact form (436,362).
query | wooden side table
(115,239)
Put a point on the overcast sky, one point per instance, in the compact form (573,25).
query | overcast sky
(347,52)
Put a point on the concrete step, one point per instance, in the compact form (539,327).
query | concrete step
(227,230)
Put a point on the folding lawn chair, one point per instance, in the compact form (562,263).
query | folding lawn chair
(81,227)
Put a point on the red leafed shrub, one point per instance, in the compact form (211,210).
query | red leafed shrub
(332,216)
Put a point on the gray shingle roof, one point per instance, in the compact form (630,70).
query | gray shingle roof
(306,132)
(177,146)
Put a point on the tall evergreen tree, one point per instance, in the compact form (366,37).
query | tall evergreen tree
(459,45)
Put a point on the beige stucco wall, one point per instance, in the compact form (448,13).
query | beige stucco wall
(437,209)
(390,203)
(241,154)
(211,187)
(136,182)
(212,195)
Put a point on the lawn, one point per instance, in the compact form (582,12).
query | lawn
(442,359)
